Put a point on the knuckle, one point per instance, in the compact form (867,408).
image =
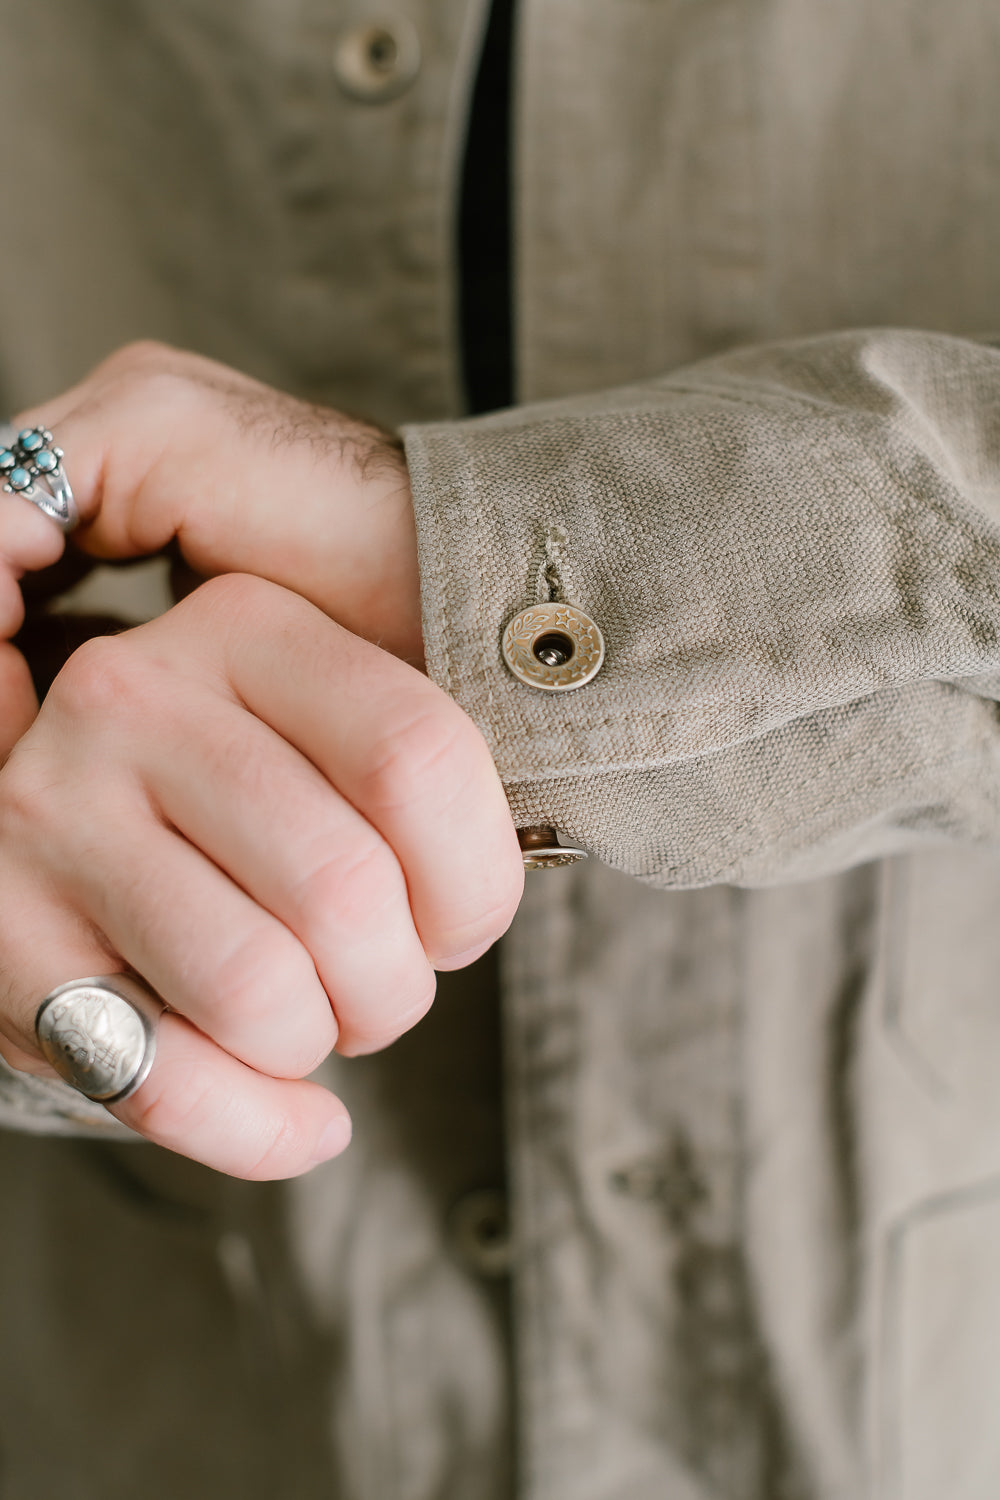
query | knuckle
(34,812)
(349,890)
(286,1149)
(264,961)
(151,376)
(140,354)
(103,676)
(429,756)
(231,595)
(25,786)
(175,1105)
(254,992)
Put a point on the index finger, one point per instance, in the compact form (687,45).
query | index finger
(28,539)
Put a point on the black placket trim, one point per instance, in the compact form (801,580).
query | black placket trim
(484,230)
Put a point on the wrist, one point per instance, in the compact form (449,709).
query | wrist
(376,586)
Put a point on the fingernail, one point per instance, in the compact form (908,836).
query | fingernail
(336,1138)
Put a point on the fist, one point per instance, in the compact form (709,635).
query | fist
(283,828)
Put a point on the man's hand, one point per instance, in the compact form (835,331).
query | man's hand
(162,444)
(283,828)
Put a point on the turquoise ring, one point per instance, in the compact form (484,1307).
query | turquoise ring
(31,466)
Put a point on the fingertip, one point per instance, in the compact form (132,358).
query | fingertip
(203,1103)
(334,1138)
(29,540)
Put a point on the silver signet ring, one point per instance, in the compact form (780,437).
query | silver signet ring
(100,1034)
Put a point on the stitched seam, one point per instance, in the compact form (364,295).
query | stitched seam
(586,770)
(485,644)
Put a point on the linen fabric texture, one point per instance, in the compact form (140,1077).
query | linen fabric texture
(752,1129)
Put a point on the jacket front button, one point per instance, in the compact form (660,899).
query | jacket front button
(480,1232)
(378,60)
(554,647)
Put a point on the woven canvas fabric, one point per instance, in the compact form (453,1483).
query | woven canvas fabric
(753,1128)
(794,554)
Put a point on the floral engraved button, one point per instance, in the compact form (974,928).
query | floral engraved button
(553,647)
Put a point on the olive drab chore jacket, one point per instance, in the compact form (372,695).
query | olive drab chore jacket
(750,1124)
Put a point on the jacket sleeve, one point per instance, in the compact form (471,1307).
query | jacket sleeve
(45,1106)
(793,552)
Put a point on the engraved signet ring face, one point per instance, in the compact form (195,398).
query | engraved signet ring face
(100,1034)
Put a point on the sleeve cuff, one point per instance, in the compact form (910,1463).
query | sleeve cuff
(44,1106)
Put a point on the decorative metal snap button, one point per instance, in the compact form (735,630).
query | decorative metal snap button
(377,61)
(553,647)
(541,849)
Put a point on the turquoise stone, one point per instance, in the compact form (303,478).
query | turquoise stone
(19,479)
(45,461)
(30,440)
(7,459)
